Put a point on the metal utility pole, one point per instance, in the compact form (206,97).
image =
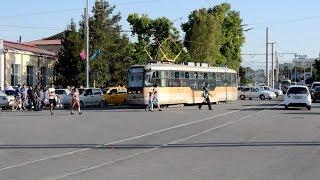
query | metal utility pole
(277,71)
(272,67)
(86,30)
(267,65)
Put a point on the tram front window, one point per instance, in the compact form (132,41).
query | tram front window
(135,77)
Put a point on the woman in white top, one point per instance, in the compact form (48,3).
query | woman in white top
(52,96)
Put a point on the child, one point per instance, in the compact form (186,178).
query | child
(150,106)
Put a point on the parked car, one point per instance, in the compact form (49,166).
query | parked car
(88,97)
(4,104)
(10,96)
(298,96)
(61,94)
(315,94)
(314,85)
(115,95)
(278,92)
(253,92)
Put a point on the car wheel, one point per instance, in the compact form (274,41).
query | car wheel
(250,98)
(101,103)
(81,104)
(242,97)
(105,102)
(65,107)
(286,107)
(262,97)
(277,94)
(309,107)
(314,100)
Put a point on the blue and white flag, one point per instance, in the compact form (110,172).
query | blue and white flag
(95,54)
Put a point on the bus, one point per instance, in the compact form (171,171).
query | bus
(180,84)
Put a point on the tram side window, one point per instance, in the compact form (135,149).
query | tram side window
(176,74)
(187,75)
(227,79)
(233,79)
(205,75)
(219,79)
(182,74)
(162,78)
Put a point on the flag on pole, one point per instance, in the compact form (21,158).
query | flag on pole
(83,54)
(95,54)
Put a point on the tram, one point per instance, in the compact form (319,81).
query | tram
(180,83)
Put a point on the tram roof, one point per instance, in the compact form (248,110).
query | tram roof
(180,67)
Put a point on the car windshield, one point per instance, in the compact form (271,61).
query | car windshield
(317,89)
(60,91)
(81,91)
(298,90)
(315,85)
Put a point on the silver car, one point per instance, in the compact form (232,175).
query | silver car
(87,96)
(4,104)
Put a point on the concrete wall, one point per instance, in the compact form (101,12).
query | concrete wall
(28,59)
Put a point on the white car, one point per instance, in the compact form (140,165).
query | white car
(278,92)
(88,97)
(253,92)
(298,96)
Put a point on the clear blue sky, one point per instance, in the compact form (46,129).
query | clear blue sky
(294,25)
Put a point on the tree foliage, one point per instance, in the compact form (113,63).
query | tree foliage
(70,67)
(151,33)
(218,29)
(111,65)
(316,66)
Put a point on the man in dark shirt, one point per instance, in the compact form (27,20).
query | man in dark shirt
(37,93)
(31,98)
(205,95)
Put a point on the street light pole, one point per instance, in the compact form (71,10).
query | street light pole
(86,29)
(267,63)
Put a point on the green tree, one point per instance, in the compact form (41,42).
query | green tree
(316,66)
(70,67)
(151,33)
(228,29)
(105,34)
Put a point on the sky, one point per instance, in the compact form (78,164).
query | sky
(293,24)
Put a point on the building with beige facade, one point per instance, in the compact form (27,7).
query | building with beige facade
(26,64)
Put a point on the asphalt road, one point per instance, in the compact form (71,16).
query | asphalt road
(240,140)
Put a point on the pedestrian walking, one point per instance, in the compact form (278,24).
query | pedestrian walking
(52,97)
(206,99)
(23,92)
(38,97)
(155,98)
(75,101)
(31,99)
(150,104)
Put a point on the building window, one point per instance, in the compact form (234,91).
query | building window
(15,74)
(55,75)
(30,75)
(44,76)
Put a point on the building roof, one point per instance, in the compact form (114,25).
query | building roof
(45,42)
(26,47)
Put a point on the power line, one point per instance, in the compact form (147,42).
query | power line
(41,13)
(30,27)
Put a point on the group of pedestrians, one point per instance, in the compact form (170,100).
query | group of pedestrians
(51,94)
